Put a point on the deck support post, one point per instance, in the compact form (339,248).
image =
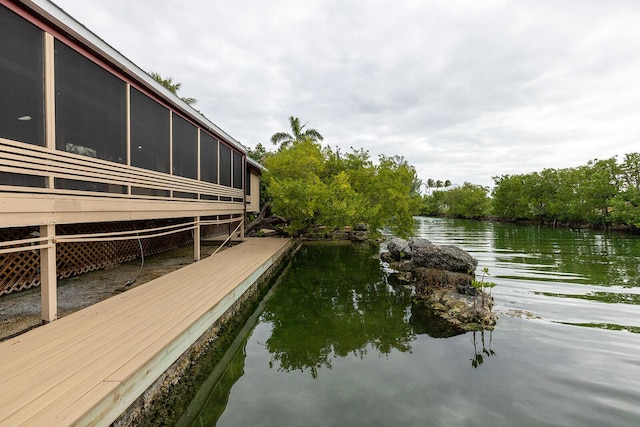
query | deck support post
(196,240)
(48,286)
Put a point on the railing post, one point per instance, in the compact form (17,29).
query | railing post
(48,286)
(196,240)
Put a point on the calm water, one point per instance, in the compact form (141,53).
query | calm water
(337,346)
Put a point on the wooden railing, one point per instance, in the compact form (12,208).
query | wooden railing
(50,164)
(47,242)
(22,258)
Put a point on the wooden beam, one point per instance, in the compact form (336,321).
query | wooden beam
(48,287)
(196,240)
(49,100)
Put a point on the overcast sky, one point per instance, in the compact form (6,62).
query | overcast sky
(463,89)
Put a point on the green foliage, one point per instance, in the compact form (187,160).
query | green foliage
(259,153)
(625,206)
(481,285)
(348,297)
(600,193)
(311,186)
(509,197)
(467,201)
(294,185)
(171,86)
(167,82)
(597,184)
(285,139)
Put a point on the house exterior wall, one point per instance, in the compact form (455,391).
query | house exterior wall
(105,146)
(87,137)
(253,197)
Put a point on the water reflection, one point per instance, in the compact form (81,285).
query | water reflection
(605,297)
(207,412)
(479,354)
(609,326)
(543,253)
(583,256)
(425,321)
(334,302)
(338,346)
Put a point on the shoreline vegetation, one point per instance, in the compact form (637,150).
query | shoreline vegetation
(307,187)
(603,194)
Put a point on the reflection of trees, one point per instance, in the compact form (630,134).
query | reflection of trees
(219,391)
(479,355)
(604,258)
(334,302)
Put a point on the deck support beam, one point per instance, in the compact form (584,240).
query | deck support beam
(48,279)
(196,240)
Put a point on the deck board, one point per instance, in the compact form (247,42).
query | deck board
(87,362)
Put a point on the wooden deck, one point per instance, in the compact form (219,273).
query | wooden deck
(88,367)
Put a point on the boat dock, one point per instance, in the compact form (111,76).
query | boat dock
(87,368)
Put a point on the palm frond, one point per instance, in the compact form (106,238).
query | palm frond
(313,134)
(295,127)
(281,137)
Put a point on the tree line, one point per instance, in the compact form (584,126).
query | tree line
(601,193)
(307,185)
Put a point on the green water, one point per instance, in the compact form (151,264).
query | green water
(337,345)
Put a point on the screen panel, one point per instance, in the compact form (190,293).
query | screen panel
(90,107)
(149,133)
(225,165)
(185,148)
(21,79)
(237,170)
(208,158)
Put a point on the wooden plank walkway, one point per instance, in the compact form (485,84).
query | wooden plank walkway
(88,367)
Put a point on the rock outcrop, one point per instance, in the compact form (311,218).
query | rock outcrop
(442,277)
(423,253)
(399,249)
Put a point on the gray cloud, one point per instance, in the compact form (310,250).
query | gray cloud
(465,90)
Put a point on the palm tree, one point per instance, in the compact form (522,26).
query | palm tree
(172,87)
(447,183)
(297,134)
(430,184)
(439,184)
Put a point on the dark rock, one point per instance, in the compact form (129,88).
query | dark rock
(360,235)
(466,289)
(401,278)
(434,278)
(360,227)
(441,277)
(449,258)
(399,248)
(460,311)
(387,257)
